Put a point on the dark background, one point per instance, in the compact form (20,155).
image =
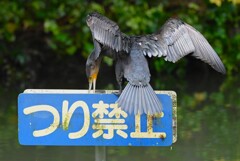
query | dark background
(44,44)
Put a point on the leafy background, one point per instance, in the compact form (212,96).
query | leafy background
(44,44)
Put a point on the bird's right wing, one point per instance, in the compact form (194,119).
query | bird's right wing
(107,32)
(177,39)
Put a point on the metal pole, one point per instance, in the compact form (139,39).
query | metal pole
(100,153)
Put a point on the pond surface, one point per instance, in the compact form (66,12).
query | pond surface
(208,128)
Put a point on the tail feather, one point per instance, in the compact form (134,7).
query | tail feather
(139,99)
(128,95)
(142,102)
(148,103)
(136,103)
(155,99)
(124,93)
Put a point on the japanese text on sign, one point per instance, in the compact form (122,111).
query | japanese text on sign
(90,119)
(114,122)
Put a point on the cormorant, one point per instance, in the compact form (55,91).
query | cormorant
(174,40)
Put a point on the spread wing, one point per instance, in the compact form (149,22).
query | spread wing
(107,32)
(177,39)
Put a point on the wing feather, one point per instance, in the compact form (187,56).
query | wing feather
(204,51)
(177,39)
(107,32)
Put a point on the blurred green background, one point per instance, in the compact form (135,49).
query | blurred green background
(44,44)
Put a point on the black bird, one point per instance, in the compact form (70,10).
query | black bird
(174,40)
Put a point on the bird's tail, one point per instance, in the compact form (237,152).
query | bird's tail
(139,99)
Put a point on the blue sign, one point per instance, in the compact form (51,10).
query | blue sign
(74,119)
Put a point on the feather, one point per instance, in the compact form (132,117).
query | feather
(106,31)
(174,40)
(177,39)
(204,51)
(140,99)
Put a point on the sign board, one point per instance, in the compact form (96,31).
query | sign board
(75,118)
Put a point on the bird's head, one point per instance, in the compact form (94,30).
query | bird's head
(92,69)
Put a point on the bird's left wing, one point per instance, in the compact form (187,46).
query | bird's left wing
(177,39)
(107,32)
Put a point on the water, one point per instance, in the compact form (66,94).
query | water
(203,145)
(208,127)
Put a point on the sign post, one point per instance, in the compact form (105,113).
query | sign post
(76,118)
(100,153)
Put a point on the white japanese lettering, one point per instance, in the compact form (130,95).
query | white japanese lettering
(52,127)
(67,115)
(113,122)
(149,133)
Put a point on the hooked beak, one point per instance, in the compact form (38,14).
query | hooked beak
(92,82)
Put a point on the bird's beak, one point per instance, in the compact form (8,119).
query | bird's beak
(92,83)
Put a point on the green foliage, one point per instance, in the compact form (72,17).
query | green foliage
(62,24)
